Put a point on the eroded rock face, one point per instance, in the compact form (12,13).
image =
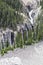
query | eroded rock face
(11,61)
(32,7)
(6,37)
(30,1)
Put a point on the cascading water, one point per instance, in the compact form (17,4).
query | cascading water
(32,9)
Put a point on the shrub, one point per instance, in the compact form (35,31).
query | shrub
(28,42)
(5,50)
(10,48)
(18,39)
(21,43)
(2,52)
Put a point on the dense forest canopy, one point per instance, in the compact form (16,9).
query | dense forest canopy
(8,16)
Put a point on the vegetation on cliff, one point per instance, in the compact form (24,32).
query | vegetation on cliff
(9,16)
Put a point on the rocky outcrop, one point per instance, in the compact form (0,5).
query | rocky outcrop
(7,37)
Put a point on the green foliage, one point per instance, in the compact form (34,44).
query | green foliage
(15,4)
(5,50)
(29,42)
(8,16)
(40,27)
(2,52)
(40,34)
(24,36)
(19,41)
(41,3)
(10,48)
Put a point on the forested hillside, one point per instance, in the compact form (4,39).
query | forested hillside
(9,16)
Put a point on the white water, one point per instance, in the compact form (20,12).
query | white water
(35,14)
(30,55)
(11,61)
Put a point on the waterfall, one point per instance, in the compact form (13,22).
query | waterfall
(32,8)
(31,17)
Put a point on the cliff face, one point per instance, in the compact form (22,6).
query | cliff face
(31,7)
(31,1)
